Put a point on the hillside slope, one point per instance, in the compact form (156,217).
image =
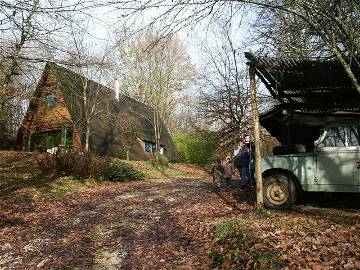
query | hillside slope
(22,179)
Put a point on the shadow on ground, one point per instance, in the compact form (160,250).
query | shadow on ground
(331,200)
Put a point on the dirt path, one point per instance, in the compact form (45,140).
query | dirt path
(148,225)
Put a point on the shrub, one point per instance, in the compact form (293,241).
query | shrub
(121,171)
(6,143)
(195,147)
(88,165)
(159,159)
(78,164)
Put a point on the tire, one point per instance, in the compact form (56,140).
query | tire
(289,149)
(279,191)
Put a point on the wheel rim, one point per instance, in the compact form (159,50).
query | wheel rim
(277,193)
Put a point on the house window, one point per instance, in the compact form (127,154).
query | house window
(67,136)
(50,101)
(42,141)
(150,147)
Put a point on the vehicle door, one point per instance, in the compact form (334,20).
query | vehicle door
(338,160)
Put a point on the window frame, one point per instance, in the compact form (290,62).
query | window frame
(51,100)
(149,144)
(344,134)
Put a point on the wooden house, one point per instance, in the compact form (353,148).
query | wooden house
(119,126)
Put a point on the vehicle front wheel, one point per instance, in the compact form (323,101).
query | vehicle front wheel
(279,191)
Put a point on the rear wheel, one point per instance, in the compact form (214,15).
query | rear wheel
(279,191)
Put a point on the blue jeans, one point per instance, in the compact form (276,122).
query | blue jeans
(244,175)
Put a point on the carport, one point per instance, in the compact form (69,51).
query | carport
(308,94)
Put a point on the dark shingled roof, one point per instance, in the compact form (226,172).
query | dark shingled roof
(104,140)
(308,85)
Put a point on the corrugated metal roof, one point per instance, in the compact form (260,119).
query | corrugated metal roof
(308,85)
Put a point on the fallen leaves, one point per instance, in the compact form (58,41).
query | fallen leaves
(169,224)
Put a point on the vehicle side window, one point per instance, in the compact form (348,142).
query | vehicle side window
(335,137)
(341,137)
(354,136)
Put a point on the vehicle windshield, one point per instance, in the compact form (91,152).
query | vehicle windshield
(339,137)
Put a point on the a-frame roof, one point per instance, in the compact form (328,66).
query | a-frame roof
(114,128)
(70,83)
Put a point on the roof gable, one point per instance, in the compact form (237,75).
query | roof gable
(71,85)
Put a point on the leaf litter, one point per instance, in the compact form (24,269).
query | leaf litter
(173,224)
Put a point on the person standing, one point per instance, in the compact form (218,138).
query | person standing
(242,162)
(251,147)
(237,147)
(227,170)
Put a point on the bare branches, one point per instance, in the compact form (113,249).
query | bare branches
(316,29)
(154,70)
(31,33)
(330,26)
(224,99)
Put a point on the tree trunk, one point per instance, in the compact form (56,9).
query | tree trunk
(347,68)
(157,130)
(87,136)
(255,114)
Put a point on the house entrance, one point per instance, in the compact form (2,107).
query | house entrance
(44,140)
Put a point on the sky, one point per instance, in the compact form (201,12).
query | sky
(104,23)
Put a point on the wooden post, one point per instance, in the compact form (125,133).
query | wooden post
(255,114)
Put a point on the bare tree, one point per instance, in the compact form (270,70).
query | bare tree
(125,125)
(154,70)
(10,61)
(32,32)
(187,116)
(287,34)
(334,23)
(91,97)
(225,97)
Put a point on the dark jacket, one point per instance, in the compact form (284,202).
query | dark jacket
(251,147)
(242,159)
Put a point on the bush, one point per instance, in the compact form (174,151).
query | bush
(88,165)
(159,159)
(6,143)
(78,164)
(122,171)
(195,147)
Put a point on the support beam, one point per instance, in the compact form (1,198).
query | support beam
(255,114)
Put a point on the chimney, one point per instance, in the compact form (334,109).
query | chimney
(117,89)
